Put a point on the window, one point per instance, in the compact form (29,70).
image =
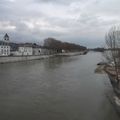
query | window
(2,51)
(5,52)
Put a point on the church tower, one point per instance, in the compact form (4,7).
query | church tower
(6,38)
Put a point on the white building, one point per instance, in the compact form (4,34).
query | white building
(40,50)
(25,50)
(4,46)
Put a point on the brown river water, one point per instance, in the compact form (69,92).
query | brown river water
(59,88)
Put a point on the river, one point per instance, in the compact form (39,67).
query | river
(59,88)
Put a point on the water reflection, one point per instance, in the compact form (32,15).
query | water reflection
(55,62)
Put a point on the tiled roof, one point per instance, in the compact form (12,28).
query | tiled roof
(6,35)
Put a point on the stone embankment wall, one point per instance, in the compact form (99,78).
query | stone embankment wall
(71,53)
(7,59)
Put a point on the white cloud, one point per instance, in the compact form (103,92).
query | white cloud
(12,0)
(6,25)
(82,19)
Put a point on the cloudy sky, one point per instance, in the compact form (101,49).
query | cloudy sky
(78,21)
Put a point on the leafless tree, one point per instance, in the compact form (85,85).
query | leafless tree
(112,39)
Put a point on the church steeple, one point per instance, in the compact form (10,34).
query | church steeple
(6,38)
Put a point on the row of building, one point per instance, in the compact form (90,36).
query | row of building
(8,48)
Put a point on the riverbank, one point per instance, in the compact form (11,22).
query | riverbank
(114,96)
(72,53)
(100,69)
(9,59)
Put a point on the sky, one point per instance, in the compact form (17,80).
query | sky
(84,22)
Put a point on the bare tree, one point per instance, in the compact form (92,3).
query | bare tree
(112,39)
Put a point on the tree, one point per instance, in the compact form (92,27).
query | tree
(58,45)
(112,39)
(52,43)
